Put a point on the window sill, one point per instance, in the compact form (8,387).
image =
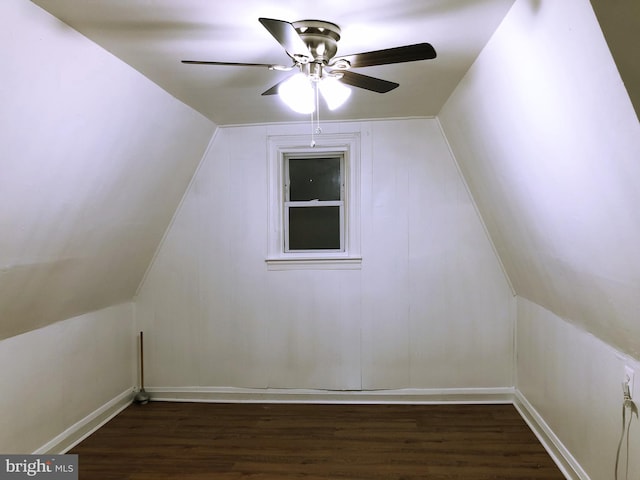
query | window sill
(314,263)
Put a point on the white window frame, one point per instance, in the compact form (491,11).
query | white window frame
(282,147)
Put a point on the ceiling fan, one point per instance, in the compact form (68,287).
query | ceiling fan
(312,46)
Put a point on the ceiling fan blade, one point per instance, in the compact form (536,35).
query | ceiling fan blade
(407,53)
(368,83)
(233,64)
(287,36)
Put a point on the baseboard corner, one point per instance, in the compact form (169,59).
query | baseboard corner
(73,435)
(560,454)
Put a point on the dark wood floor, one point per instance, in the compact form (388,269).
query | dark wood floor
(190,441)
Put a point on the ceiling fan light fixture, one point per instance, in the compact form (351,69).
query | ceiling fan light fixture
(312,46)
(298,94)
(334,92)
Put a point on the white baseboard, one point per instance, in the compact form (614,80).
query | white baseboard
(566,462)
(272,395)
(85,427)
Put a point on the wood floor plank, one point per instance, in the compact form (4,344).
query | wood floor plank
(193,441)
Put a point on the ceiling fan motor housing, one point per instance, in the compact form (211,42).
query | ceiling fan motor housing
(320,37)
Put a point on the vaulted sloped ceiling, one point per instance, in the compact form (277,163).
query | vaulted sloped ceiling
(93,161)
(547,137)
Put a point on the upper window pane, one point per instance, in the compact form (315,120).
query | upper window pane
(314,179)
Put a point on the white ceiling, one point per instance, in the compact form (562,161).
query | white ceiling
(154,35)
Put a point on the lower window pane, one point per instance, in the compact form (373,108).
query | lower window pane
(314,228)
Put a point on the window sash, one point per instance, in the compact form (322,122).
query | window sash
(314,203)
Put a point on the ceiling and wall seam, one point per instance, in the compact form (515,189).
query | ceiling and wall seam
(328,121)
(477,210)
(176,213)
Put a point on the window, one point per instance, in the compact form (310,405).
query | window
(314,203)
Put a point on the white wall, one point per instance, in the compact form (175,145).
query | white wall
(54,377)
(573,380)
(547,138)
(94,159)
(430,307)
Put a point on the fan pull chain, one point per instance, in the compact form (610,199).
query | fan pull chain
(315,128)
